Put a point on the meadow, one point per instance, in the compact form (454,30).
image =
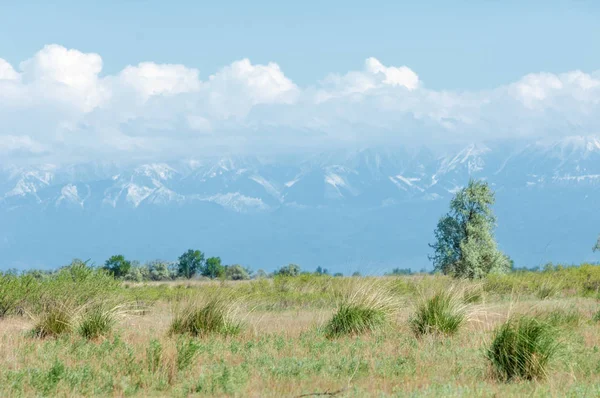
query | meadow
(80,332)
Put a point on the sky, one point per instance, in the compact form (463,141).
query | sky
(149,78)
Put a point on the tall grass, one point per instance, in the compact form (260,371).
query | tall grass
(57,319)
(365,308)
(522,348)
(217,316)
(444,313)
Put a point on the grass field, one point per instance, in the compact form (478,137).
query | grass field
(281,347)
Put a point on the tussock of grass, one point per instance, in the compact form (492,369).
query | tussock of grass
(522,348)
(97,321)
(444,312)
(217,316)
(58,319)
(365,309)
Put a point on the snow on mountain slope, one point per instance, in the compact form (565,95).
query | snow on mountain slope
(368,177)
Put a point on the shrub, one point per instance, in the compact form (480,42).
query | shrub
(288,270)
(236,272)
(365,309)
(522,348)
(215,317)
(444,313)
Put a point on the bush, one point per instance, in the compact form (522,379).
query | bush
(444,313)
(236,272)
(365,309)
(522,348)
(215,317)
(288,270)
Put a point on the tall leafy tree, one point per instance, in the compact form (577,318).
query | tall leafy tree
(465,246)
(190,263)
(213,268)
(117,265)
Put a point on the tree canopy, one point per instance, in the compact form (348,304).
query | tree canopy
(190,263)
(465,246)
(117,265)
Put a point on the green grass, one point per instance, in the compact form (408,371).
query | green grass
(57,319)
(522,348)
(215,317)
(365,307)
(442,313)
(97,321)
(303,335)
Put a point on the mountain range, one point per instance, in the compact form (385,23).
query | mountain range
(367,209)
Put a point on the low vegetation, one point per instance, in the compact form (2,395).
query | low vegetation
(522,348)
(198,327)
(444,312)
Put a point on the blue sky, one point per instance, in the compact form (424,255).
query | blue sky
(172,78)
(451,44)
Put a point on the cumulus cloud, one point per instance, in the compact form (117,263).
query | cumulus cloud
(59,105)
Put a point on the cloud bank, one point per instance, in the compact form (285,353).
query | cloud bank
(59,106)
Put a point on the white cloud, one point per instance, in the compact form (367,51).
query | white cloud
(59,105)
(7,72)
(151,79)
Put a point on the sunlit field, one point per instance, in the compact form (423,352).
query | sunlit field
(79,332)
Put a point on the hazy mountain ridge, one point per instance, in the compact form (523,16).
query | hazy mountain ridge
(337,203)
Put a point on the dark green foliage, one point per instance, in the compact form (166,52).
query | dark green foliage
(442,313)
(117,266)
(213,268)
(522,348)
(353,320)
(190,263)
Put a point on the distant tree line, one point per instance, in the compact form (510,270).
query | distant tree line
(464,247)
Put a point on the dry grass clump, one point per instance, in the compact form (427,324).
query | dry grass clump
(522,348)
(365,308)
(57,319)
(219,315)
(444,312)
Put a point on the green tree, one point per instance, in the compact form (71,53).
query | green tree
(158,270)
(236,272)
(190,263)
(213,268)
(288,270)
(597,245)
(117,266)
(465,245)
